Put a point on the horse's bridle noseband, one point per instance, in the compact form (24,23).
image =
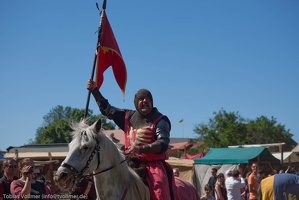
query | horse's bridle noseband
(79,175)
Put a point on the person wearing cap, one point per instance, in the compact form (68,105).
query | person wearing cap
(147,136)
(234,184)
(228,173)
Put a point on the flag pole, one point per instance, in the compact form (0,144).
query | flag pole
(182,122)
(96,54)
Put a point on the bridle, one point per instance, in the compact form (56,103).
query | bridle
(80,175)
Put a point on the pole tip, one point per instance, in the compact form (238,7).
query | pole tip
(104,4)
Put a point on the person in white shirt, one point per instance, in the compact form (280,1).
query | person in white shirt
(234,184)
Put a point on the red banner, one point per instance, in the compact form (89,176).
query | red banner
(109,55)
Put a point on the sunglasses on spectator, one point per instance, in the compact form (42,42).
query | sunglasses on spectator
(11,166)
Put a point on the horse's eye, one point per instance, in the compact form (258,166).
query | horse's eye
(84,148)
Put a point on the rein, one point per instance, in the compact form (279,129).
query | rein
(104,170)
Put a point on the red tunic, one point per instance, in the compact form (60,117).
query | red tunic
(157,177)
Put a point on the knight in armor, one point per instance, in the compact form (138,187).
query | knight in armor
(9,168)
(147,135)
(27,188)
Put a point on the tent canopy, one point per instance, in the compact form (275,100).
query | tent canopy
(185,167)
(236,156)
(288,157)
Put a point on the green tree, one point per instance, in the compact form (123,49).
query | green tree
(229,128)
(56,124)
(263,130)
(226,128)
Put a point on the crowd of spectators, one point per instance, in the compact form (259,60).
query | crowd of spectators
(234,186)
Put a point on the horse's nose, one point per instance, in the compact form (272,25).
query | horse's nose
(63,175)
(60,176)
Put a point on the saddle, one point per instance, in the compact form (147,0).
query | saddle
(138,166)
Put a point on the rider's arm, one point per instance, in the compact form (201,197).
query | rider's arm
(102,103)
(111,112)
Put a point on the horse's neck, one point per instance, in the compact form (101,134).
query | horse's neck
(110,184)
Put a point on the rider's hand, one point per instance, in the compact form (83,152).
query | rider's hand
(91,85)
(134,149)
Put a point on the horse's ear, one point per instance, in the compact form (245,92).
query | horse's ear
(98,125)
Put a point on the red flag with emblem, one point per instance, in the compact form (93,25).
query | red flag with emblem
(109,55)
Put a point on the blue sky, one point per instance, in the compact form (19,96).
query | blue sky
(195,56)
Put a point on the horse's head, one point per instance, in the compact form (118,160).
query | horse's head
(83,156)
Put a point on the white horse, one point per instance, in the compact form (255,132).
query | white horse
(92,153)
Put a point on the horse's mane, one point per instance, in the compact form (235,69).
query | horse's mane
(112,148)
(82,125)
(78,127)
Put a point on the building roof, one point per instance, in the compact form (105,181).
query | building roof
(296,149)
(55,147)
(179,145)
(36,154)
(258,145)
(60,150)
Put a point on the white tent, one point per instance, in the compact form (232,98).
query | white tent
(288,157)
(203,173)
